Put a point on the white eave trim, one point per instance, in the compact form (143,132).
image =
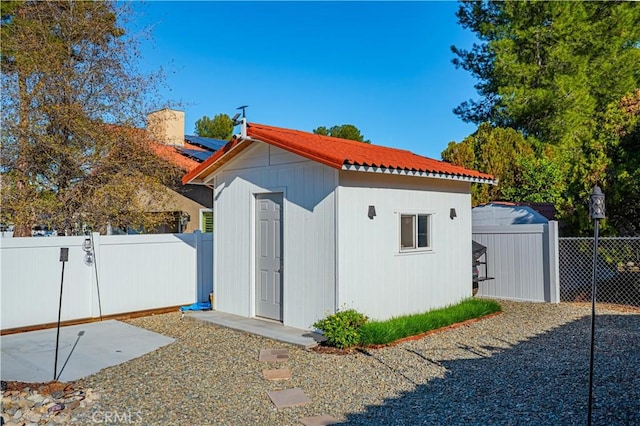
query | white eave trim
(209,177)
(416,173)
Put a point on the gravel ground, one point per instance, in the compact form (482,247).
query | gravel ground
(529,365)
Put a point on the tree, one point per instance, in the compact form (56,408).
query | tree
(557,72)
(523,174)
(220,127)
(71,96)
(345,131)
(622,129)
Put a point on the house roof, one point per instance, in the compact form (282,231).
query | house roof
(337,153)
(195,150)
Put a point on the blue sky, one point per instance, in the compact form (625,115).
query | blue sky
(384,67)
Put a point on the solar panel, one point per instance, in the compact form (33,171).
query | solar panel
(207,143)
(195,154)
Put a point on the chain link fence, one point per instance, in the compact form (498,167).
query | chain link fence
(618,270)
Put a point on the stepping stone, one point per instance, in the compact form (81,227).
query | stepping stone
(273,355)
(319,420)
(288,398)
(277,374)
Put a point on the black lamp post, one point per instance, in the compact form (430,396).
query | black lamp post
(64,257)
(596,212)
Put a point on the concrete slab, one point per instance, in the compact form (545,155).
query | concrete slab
(277,374)
(265,328)
(83,350)
(273,355)
(288,398)
(319,420)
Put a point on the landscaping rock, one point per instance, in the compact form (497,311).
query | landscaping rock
(528,365)
(49,404)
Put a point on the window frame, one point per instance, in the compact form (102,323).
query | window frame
(202,221)
(415,248)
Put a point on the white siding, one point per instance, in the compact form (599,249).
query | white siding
(373,276)
(308,240)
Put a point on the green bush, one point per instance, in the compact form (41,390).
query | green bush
(341,328)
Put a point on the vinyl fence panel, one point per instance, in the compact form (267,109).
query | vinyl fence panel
(130,273)
(522,260)
(30,281)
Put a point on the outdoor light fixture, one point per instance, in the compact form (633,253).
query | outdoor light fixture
(596,206)
(87,246)
(372,212)
(452,213)
(596,212)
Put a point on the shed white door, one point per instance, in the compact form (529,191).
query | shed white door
(269,256)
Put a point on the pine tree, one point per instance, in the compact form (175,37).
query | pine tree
(558,72)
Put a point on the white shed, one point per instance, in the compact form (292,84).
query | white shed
(306,225)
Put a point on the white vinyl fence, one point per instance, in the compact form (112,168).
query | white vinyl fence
(130,273)
(522,260)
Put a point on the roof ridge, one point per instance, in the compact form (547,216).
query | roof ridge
(348,141)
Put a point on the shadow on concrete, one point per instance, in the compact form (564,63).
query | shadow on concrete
(30,356)
(66,361)
(540,381)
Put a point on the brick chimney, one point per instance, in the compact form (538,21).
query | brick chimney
(167,126)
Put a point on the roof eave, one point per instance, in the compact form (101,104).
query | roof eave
(220,157)
(419,173)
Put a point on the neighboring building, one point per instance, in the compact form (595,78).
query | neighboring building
(312,224)
(191,205)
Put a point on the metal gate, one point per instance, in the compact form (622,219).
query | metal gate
(618,270)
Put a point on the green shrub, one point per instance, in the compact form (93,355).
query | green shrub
(341,328)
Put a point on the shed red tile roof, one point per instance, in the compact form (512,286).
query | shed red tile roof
(335,152)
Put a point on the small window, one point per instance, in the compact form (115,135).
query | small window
(415,232)
(206,220)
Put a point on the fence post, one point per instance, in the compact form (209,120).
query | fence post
(553,265)
(199,274)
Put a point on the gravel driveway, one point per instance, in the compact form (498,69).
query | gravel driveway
(528,365)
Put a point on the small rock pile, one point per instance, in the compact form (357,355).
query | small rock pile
(50,404)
